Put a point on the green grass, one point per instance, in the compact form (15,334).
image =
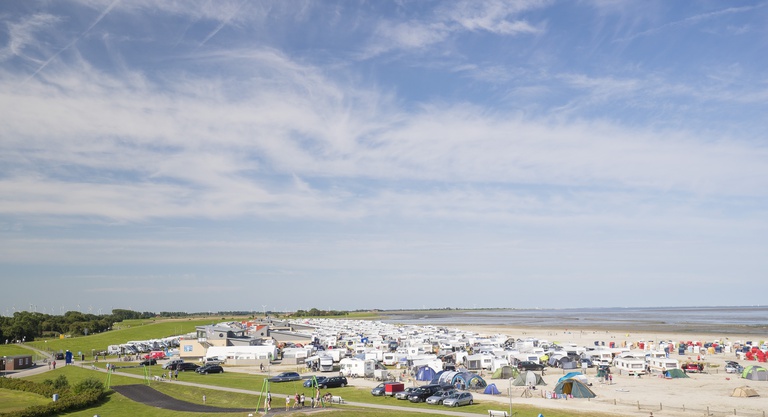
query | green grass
(12,350)
(124,332)
(11,400)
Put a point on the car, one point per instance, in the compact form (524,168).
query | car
(530,366)
(146,362)
(732,367)
(335,382)
(438,397)
(285,377)
(310,383)
(693,367)
(458,398)
(210,368)
(171,364)
(186,366)
(403,395)
(423,392)
(59,356)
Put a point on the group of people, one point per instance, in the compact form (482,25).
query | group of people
(172,375)
(299,400)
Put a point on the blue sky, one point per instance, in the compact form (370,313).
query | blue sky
(217,155)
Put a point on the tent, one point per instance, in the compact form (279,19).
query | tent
(465,380)
(505,372)
(491,389)
(676,373)
(744,391)
(574,375)
(528,378)
(575,388)
(755,373)
(425,373)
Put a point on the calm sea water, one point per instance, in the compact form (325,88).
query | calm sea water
(743,319)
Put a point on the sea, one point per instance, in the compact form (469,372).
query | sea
(721,320)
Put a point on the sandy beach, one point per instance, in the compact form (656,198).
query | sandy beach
(701,393)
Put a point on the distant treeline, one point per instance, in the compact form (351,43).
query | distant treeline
(28,326)
(319,313)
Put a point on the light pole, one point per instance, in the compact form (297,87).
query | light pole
(510,396)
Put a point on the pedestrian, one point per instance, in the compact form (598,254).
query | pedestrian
(302,398)
(261,367)
(54,364)
(203,398)
(176,374)
(287,402)
(269,401)
(610,379)
(49,365)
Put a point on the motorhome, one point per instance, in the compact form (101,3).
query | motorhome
(389,358)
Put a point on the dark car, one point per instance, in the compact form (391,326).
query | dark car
(423,392)
(186,366)
(335,382)
(145,362)
(403,395)
(320,379)
(210,368)
(530,366)
(285,377)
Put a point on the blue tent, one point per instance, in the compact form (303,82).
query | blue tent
(491,389)
(425,373)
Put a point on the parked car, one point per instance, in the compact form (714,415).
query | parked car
(335,382)
(403,395)
(171,364)
(210,368)
(146,362)
(285,377)
(733,367)
(186,366)
(438,397)
(530,366)
(693,367)
(319,379)
(458,398)
(423,392)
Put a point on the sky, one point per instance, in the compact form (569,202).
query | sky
(281,155)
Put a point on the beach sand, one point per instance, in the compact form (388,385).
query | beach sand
(694,396)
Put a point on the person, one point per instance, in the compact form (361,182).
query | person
(317,398)
(176,374)
(54,364)
(261,367)
(269,401)
(301,399)
(203,398)
(287,402)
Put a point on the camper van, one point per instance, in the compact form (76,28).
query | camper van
(326,363)
(389,359)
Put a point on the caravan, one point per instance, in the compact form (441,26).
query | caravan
(628,365)
(356,367)
(663,364)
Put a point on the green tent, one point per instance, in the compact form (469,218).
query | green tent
(676,373)
(505,372)
(575,388)
(755,373)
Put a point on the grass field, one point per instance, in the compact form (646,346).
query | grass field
(17,400)
(117,405)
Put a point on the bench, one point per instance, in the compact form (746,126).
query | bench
(494,413)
